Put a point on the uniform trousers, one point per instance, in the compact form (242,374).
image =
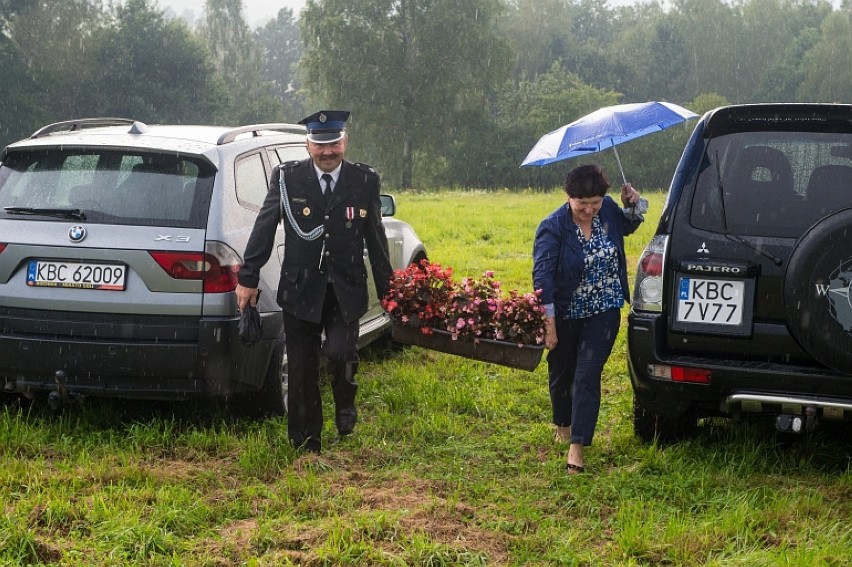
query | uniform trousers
(304,346)
(574,370)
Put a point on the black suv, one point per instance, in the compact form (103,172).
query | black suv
(742,300)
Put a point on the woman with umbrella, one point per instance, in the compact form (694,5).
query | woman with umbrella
(579,264)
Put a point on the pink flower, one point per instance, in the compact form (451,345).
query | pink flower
(425,296)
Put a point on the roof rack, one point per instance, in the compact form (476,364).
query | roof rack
(256,129)
(79,124)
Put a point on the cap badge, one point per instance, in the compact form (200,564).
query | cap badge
(322,117)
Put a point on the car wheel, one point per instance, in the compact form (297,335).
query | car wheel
(818,291)
(275,385)
(649,426)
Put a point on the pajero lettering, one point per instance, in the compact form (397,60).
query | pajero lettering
(714,269)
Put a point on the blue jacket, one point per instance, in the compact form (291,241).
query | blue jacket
(558,255)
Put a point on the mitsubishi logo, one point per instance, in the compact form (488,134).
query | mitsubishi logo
(703,249)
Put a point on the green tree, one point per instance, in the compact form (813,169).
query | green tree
(147,68)
(23,109)
(521,114)
(414,73)
(782,79)
(714,60)
(281,49)
(707,101)
(576,32)
(47,38)
(827,67)
(654,52)
(237,57)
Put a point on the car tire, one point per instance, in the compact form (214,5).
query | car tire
(818,291)
(277,379)
(649,426)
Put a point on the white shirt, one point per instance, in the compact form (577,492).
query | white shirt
(334,176)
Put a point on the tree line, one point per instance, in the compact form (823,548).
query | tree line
(442,92)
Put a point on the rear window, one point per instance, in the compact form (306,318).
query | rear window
(772,183)
(115,187)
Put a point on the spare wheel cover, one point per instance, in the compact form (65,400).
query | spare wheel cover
(818,291)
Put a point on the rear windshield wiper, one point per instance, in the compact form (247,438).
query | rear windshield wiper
(75,214)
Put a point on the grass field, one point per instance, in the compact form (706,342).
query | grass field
(453,463)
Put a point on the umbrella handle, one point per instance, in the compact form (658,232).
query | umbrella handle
(615,151)
(623,177)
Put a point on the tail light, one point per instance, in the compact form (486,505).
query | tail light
(217,266)
(680,374)
(2,247)
(648,288)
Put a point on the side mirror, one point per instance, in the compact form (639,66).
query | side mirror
(388,205)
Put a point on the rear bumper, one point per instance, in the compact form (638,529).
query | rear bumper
(736,386)
(129,356)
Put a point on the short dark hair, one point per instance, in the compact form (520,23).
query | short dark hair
(586,181)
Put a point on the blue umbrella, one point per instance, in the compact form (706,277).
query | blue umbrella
(605,128)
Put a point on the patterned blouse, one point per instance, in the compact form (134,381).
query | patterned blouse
(599,289)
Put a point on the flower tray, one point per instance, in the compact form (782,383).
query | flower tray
(504,353)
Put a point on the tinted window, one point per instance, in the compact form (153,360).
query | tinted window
(772,183)
(251,181)
(110,186)
(290,153)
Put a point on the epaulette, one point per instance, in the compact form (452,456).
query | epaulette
(365,167)
(290,164)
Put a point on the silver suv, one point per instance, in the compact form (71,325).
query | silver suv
(119,249)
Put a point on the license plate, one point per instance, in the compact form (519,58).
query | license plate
(713,302)
(80,275)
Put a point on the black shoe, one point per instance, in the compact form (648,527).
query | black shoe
(346,419)
(311,445)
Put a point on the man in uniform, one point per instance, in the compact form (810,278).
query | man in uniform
(330,209)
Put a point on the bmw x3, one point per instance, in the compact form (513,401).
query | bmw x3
(120,244)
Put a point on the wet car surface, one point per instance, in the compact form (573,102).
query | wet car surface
(119,248)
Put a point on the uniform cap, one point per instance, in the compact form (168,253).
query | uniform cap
(325,126)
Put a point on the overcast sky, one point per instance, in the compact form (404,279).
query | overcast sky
(256,12)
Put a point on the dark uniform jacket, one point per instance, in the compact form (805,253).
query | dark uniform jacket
(351,218)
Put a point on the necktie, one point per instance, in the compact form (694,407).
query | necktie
(326,189)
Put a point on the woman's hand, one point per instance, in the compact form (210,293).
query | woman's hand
(629,195)
(550,339)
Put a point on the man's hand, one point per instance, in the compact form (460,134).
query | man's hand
(246,296)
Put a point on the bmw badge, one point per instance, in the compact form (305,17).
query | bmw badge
(77,233)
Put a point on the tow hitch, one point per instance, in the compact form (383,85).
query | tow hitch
(61,396)
(787,423)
